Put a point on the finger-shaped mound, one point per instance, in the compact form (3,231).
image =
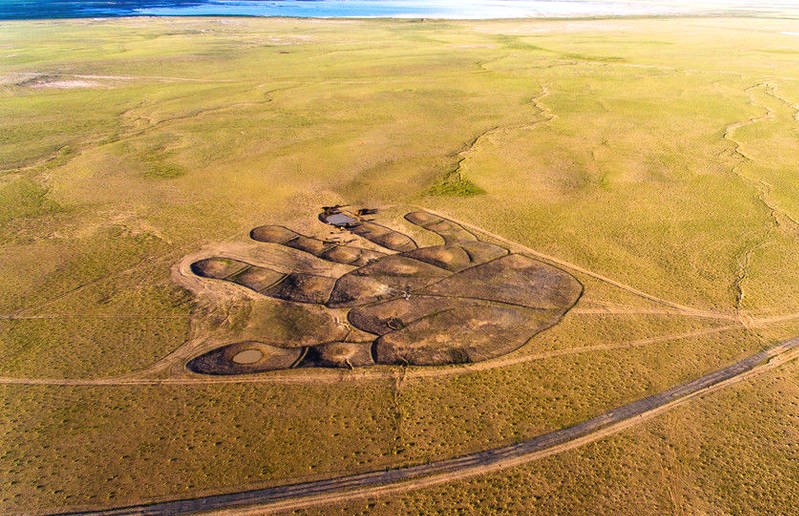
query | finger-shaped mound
(253,277)
(331,251)
(459,256)
(376,233)
(297,287)
(246,357)
(451,232)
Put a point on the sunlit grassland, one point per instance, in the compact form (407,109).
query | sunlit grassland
(730,452)
(659,153)
(114,445)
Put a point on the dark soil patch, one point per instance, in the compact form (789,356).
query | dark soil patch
(228,359)
(464,301)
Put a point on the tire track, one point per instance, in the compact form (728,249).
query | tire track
(149,376)
(385,482)
(171,369)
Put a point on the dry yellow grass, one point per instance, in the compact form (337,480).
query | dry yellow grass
(657,153)
(732,452)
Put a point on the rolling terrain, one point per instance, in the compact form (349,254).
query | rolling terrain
(652,159)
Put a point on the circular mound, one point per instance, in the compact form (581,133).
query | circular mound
(216,268)
(274,234)
(342,354)
(421,218)
(245,358)
(342,254)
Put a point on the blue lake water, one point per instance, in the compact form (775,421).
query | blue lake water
(44,9)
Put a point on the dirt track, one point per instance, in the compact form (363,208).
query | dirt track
(686,310)
(171,369)
(322,376)
(384,482)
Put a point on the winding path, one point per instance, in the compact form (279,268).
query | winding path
(338,489)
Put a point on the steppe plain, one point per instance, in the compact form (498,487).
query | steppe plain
(658,157)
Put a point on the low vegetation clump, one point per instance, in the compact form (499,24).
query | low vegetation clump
(455,185)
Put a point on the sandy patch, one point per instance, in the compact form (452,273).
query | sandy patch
(65,85)
(16,78)
(43,81)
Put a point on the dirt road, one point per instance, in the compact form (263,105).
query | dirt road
(281,498)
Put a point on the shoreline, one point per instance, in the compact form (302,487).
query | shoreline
(413,19)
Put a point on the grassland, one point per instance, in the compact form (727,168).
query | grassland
(729,453)
(660,153)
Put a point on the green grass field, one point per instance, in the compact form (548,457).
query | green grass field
(660,153)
